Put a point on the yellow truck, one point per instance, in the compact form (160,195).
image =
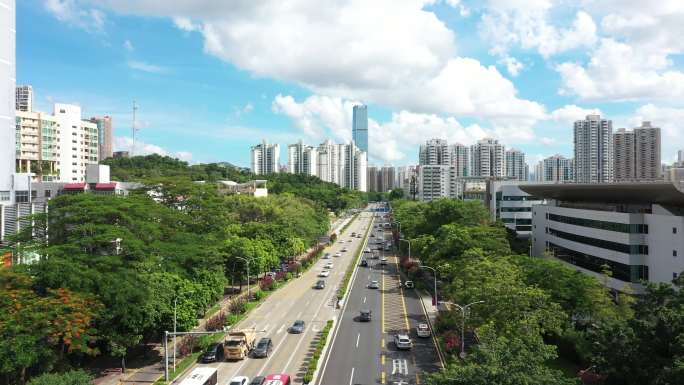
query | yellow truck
(239,343)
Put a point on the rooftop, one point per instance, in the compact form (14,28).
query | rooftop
(663,193)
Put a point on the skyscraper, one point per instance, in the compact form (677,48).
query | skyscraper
(7,98)
(488,158)
(302,159)
(105,132)
(636,154)
(373,179)
(556,168)
(360,127)
(434,152)
(265,158)
(593,150)
(328,162)
(516,167)
(24,98)
(355,168)
(460,159)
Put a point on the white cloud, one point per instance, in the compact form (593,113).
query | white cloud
(125,143)
(570,113)
(70,12)
(513,66)
(318,117)
(146,67)
(128,46)
(185,24)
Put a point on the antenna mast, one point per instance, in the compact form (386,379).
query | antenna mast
(135,108)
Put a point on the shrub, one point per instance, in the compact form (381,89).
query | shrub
(237,306)
(187,345)
(266,283)
(216,322)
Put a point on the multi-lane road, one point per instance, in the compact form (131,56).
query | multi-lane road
(360,353)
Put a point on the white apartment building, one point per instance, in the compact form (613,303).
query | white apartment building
(8,34)
(488,158)
(355,168)
(328,162)
(556,169)
(513,206)
(265,158)
(78,143)
(434,152)
(302,159)
(516,167)
(637,154)
(460,159)
(24,98)
(635,229)
(38,145)
(105,139)
(593,150)
(407,180)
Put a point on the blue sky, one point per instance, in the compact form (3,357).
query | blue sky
(214,77)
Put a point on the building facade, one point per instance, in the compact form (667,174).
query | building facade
(435,152)
(355,168)
(632,230)
(488,159)
(328,162)
(38,145)
(105,131)
(593,150)
(637,154)
(7,98)
(265,158)
(78,143)
(516,167)
(302,159)
(555,169)
(460,159)
(512,206)
(24,98)
(360,127)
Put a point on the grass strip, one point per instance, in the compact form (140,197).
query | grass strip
(313,364)
(352,266)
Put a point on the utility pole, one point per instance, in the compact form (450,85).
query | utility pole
(135,108)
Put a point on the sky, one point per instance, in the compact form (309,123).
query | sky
(212,78)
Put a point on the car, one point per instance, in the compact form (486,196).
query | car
(368,250)
(214,353)
(328,265)
(262,348)
(344,250)
(297,327)
(365,315)
(258,380)
(383,261)
(359,236)
(271,274)
(364,263)
(409,284)
(338,254)
(373,285)
(423,330)
(239,380)
(320,285)
(324,273)
(402,342)
(372,235)
(353,234)
(326,256)
(350,241)
(387,248)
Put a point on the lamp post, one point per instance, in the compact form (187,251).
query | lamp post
(409,243)
(463,310)
(434,272)
(399,223)
(249,295)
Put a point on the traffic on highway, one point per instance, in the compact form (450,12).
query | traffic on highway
(380,327)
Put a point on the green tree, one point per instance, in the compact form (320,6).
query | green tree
(76,377)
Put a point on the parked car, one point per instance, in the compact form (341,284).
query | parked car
(409,284)
(373,285)
(258,380)
(402,342)
(214,353)
(297,327)
(365,315)
(239,380)
(263,348)
(324,273)
(364,263)
(423,330)
(320,285)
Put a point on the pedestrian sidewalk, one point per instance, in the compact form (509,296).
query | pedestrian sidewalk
(431,312)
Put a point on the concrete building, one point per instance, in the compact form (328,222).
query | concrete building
(105,132)
(7,98)
(302,159)
(328,162)
(460,159)
(633,229)
(407,180)
(24,98)
(387,178)
(120,154)
(373,179)
(355,168)
(637,154)
(555,169)
(513,206)
(593,150)
(488,159)
(38,145)
(265,158)
(516,167)
(680,156)
(360,127)
(256,188)
(78,143)
(435,152)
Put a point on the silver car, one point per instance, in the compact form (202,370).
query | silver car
(402,342)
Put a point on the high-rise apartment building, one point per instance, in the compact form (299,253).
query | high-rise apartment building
(328,162)
(387,178)
(516,167)
(360,127)
(636,154)
(24,98)
(265,158)
(488,158)
(434,152)
(7,98)
(302,159)
(106,136)
(460,159)
(78,143)
(680,156)
(556,169)
(373,180)
(407,180)
(593,150)
(355,166)
(38,145)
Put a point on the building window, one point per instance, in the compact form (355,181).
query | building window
(630,228)
(621,271)
(21,196)
(34,194)
(602,243)
(674,253)
(4,196)
(674,230)
(48,193)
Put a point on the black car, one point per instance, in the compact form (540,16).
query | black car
(364,263)
(258,380)
(263,348)
(365,315)
(320,285)
(297,327)
(214,353)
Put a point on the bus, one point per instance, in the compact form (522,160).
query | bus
(201,376)
(277,379)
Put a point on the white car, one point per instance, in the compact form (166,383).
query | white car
(402,342)
(383,261)
(324,273)
(328,266)
(239,380)
(326,256)
(338,254)
(423,330)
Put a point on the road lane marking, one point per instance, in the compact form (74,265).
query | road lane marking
(382,360)
(280,329)
(382,343)
(299,315)
(417,379)
(399,366)
(358,336)
(364,299)
(403,301)
(266,327)
(382,305)
(382,378)
(351,378)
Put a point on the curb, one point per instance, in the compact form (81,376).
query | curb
(323,352)
(440,354)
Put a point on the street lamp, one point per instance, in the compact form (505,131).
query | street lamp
(249,296)
(399,223)
(463,310)
(434,272)
(175,303)
(409,243)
